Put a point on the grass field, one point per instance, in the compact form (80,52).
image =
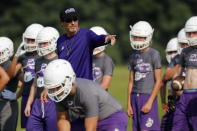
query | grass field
(118,89)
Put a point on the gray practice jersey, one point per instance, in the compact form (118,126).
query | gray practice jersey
(41,64)
(188,57)
(13,83)
(102,66)
(89,100)
(143,65)
(28,62)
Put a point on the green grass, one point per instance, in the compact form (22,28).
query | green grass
(118,89)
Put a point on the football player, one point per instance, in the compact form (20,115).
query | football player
(42,116)
(144,79)
(103,65)
(185,115)
(25,57)
(98,110)
(172,55)
(8,102)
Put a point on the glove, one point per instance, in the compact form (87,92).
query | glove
(6,94)
(172,103)
(20,51)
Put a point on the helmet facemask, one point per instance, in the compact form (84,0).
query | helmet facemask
(29,47)
(191,26)
(30,34)
(170,56)
(141,29)
(172,49)
(6,49)
(4,55)
(47,35)
(98,50)
(192,40)
(42,51)
(63,90)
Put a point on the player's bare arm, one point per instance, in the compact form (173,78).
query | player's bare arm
(30,98)
(130,87)
(147,107)
(4,78)
(106,81)
(43,96)
(20,85)
(169,73)
(91,123)
(178,72)
(163,96)
(14,67)
(62,123)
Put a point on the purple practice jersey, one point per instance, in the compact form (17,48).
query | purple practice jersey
(174,61)
(78,50)
(143,65)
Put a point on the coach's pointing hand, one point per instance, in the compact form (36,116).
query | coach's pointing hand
(110,39)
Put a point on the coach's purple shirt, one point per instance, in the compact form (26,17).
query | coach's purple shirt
(81,46)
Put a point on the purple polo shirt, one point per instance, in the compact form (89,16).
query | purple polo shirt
(81,51)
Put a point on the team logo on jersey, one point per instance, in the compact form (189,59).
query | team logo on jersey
(193,57)
(149,122)
(97,73)
(29,70)
(141,69)
(40,79)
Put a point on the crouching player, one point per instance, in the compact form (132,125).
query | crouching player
(84,98)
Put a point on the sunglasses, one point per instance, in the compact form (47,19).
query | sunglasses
(68,20)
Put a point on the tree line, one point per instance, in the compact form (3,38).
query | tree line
(167,17)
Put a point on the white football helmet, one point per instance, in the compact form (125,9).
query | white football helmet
(50,35)
(31,32)
(171,46)
(59,73)
(191,26)
(99,31)
(6,49)
(182,38)
(141,29)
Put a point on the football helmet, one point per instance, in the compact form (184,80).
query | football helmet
(6,49)
(171,46)
(49,35)
(59,76)
(141,29)
(191,26)
(99,31)
(182,38)
(31,32)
